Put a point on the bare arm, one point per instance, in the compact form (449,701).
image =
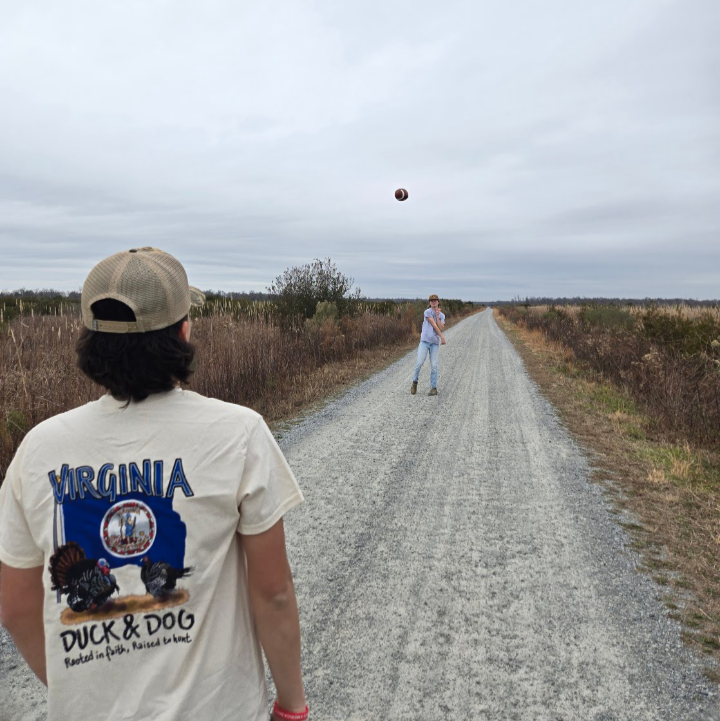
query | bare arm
(272,597)
(21,605)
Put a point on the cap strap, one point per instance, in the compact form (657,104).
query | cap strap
(114,326)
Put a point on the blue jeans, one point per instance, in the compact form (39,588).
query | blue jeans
(423,349)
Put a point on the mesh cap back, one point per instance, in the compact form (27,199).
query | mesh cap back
(152,283)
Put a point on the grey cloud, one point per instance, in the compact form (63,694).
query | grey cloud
(544,146)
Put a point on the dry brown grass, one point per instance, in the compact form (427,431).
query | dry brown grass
(328,380)
(259,364)
(39,378)
(657,476)
(672,489)
(669,364)
(687,311)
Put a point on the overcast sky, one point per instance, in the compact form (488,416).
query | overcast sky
(562,148)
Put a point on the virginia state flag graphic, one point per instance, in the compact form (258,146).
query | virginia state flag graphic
(124,532)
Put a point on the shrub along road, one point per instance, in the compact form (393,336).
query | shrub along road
(452,560)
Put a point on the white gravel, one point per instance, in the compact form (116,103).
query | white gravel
(452,560)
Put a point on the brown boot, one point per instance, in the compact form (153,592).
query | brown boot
(413,387)
(433,392)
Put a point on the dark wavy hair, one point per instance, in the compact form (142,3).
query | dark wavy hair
(133,365)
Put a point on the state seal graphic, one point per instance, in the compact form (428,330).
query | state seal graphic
(128,529)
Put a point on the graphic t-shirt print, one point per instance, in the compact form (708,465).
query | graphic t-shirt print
(111,517)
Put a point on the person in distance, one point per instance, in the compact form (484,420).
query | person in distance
(431,338)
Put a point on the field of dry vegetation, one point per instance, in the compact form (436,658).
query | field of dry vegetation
(247,353)
(640,388)
(666,359)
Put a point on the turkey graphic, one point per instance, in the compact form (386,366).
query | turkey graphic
(160,578)
(87,582)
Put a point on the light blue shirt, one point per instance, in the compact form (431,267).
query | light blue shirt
(429,335)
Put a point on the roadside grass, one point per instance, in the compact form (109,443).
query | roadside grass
(666,492)
(668,360)
(326,382)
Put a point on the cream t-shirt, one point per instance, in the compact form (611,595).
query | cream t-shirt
(163,491)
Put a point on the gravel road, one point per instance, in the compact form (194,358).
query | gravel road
(452,560)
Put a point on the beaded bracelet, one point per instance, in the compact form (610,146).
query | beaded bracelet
(289,715)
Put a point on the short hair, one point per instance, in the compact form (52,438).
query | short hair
(132,366)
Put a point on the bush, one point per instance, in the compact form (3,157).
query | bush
(455,306)
(325,311)
(554,314)
(298,290)
(608,317)
(687,336)
(34,303)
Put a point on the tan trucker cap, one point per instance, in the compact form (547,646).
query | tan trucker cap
(151,282)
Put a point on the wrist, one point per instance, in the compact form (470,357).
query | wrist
(292,714)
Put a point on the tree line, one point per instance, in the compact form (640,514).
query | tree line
(296,295)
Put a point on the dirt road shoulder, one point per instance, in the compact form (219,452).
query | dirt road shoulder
(666,493)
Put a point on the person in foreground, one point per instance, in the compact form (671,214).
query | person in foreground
(141,535)
(431,338)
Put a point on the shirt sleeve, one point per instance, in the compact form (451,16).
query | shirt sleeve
(17,545)
(428,312)
(268,488)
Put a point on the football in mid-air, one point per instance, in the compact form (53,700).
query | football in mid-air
(401,194)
